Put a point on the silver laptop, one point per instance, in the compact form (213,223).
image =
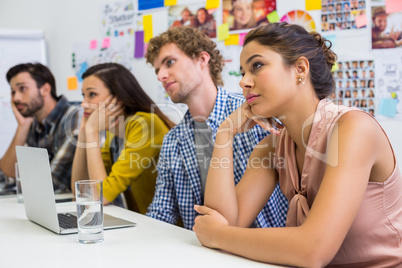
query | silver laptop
(39,199)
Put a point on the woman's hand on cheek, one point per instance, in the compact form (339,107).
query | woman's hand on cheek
(243,120)
(208,225)
(269,124)
(92,122)
(114,113)
(106,116)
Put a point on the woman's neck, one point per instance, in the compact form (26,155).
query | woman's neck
(298,121)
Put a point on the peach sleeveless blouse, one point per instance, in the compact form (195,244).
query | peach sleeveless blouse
(375,237)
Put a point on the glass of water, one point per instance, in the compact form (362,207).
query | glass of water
(89,199)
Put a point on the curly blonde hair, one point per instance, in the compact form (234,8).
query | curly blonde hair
(192,42)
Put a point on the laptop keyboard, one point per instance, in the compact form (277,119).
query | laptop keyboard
(67,221)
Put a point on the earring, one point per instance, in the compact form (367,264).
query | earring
(301,80)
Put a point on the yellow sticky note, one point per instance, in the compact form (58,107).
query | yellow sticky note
(170,2)
(335,67)
(273,17)
(233,39)
(211,4)
(72,83)
(313,5)
(147,23)
(223,32)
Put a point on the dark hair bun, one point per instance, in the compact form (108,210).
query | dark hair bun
(326,45)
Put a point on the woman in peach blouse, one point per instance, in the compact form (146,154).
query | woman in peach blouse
(334,164)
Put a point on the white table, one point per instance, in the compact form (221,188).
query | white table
(151,243)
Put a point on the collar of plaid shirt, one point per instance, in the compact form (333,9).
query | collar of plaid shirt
(48,124)
(218,114)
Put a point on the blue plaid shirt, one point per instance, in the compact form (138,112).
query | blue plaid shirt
(178,185)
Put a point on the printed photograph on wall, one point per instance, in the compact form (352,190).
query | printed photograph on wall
(354,85)
(341,15)
(194,15)
(386,30)
(246,14)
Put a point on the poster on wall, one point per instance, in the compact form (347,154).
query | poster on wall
(116,44)
(117,19)
(118,22)
(355,85)
(389,83)
(106,50)
(342,15)
(386,31)
(231,71)
(194,15)
(246,14)
(301,18)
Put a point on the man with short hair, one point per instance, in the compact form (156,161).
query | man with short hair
(44,120)
(189,67)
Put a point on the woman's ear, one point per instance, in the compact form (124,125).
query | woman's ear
(302,67)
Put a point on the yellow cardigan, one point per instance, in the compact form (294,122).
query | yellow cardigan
(136,164)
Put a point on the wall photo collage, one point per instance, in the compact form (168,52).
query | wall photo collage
(355,85)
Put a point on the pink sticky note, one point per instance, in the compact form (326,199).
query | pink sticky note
(93,44)
(241,38)
(106,42)
(392,6)
(361,20)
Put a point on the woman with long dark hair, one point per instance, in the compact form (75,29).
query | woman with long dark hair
(115,102)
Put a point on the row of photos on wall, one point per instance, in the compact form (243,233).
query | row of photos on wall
(341,15)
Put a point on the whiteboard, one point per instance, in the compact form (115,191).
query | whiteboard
(16,46)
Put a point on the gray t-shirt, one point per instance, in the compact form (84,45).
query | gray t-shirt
(204,146)
(116,146)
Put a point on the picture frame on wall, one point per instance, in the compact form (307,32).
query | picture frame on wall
(386,31)
(246,14)
(194,15)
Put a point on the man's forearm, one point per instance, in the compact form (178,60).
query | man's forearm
(7,164)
